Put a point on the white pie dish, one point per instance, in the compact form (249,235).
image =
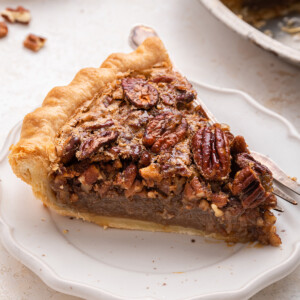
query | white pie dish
(85,260)
(279,48)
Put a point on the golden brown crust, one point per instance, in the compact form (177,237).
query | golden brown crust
(32,156)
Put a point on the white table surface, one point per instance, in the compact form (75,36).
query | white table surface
(83,33)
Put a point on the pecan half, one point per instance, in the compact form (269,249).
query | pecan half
(91,145)
(19,15)
(211,151)
(34,42)
(139,92)
(244,160)
(3,30)
(165,131)
(247,186)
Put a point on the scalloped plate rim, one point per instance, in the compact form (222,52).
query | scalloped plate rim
(55,281)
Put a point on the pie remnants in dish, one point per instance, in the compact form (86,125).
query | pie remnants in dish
(124,146)
(256,11)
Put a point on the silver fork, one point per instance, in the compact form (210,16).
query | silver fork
(137,35)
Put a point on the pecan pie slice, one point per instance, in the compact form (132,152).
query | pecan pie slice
(125,146)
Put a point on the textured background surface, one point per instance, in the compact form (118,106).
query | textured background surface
(82,34)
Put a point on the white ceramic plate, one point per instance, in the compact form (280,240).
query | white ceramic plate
(85,260)
(281,47)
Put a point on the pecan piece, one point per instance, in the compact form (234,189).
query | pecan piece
(94,125)
(162,78)
(19,15)
(34,42)
(69,149)
(90,175)
(185,96)
(165,131)
(137,119)
(211,151)
(176,96)
(194,190)
(151,173)
(135,188)
(179,92)
(3,30)
(135,152)
(219,199)
(244,160)
(102,188)
(139,92)
(145,159)
(239,145)
(247,186)
(127,177)
(175,163)
(93,143)
(107,101)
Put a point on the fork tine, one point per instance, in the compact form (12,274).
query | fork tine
(278,174)
(290,184)
(278,208)
(280,193)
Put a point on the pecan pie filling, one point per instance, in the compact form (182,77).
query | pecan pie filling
(143,150)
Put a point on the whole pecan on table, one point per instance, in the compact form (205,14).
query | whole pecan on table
(3,29)
(211,150)
(17,15)
(34,42)
(139,92)
(165,131)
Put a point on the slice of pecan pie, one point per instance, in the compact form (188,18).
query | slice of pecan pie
(126,146)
